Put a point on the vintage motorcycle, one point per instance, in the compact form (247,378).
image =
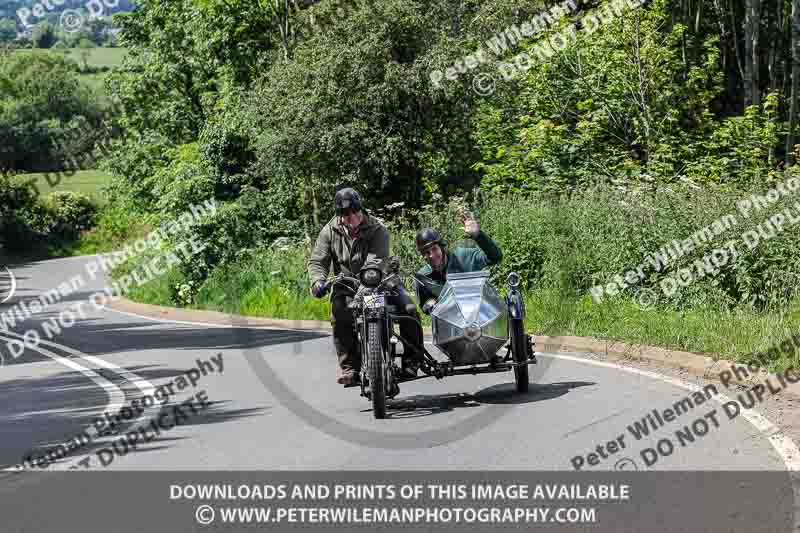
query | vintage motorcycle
(471,322)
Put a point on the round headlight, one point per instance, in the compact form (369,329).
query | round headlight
(371,277)
(513,280)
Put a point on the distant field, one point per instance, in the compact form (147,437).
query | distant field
(98,57)
(88,182)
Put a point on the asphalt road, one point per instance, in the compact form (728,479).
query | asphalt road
(271,402)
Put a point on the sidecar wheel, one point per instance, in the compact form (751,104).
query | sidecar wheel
(519,351)
(377,372)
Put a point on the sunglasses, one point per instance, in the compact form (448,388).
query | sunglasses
(347,212)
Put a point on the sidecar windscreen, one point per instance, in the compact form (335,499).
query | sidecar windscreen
(470,321)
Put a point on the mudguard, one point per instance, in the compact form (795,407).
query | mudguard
(516,306)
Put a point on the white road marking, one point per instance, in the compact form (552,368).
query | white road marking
(13,286)
(142,384)
(147,388)
(207,324)
(785,446)
(115,394)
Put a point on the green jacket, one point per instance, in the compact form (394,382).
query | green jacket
(461,259)
(335,248)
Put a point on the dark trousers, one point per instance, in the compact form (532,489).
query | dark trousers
(346,343)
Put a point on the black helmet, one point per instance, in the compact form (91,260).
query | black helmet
(347,199)
(427,238)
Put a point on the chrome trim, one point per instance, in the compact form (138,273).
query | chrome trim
(468,299)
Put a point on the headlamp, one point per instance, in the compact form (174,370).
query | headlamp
(371,277)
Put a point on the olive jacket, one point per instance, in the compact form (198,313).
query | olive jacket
(461,259)
(334,247)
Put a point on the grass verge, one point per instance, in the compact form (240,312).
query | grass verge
(274,286)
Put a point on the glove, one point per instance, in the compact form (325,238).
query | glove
(428,306)
(319,289)
(394,264)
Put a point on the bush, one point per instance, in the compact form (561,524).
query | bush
(72,213)
(572,243)
(29,224)
(271,281)
(23,219)
(564,244)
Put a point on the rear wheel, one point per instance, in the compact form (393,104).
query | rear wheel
(377,372)
(519,350)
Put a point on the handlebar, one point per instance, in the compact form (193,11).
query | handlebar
(345,281)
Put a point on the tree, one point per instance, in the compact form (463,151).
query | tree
(41,98)
(795,91)
(97,29)
(44,36)
(356,105)
(8,30)
(752,34)
(84,47)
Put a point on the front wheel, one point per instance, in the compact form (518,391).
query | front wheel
(519,350)
(377,372)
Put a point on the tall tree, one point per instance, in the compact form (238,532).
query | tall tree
(751,44)
(8,30)
(790,141)
(44,36)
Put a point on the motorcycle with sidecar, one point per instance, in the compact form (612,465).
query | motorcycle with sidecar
(471,322)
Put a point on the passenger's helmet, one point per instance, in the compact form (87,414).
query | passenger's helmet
(347,199)
(427,238)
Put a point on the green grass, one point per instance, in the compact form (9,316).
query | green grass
(562,250)
(115,226)
(95,82)
(269,287)
(88,182)
(99,57)
(727,335)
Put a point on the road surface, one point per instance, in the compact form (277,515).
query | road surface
(241,398)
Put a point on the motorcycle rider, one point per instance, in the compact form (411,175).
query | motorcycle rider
(433,248)
(351,239)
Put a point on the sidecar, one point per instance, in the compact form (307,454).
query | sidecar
(472,322)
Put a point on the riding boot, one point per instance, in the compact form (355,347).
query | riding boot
(345,341)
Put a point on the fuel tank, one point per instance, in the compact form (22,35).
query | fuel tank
(470,320)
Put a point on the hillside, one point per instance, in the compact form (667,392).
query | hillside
(24,14)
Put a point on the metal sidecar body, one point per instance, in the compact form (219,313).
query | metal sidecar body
(470,320)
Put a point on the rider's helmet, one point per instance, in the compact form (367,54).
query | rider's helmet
(347,199)
(428,237)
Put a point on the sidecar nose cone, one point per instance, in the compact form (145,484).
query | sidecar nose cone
(470,321)
(473,332)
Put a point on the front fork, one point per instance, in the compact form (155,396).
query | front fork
(388,343)
(516,310)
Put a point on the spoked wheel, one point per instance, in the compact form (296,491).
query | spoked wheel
(519,350)
(377,370)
